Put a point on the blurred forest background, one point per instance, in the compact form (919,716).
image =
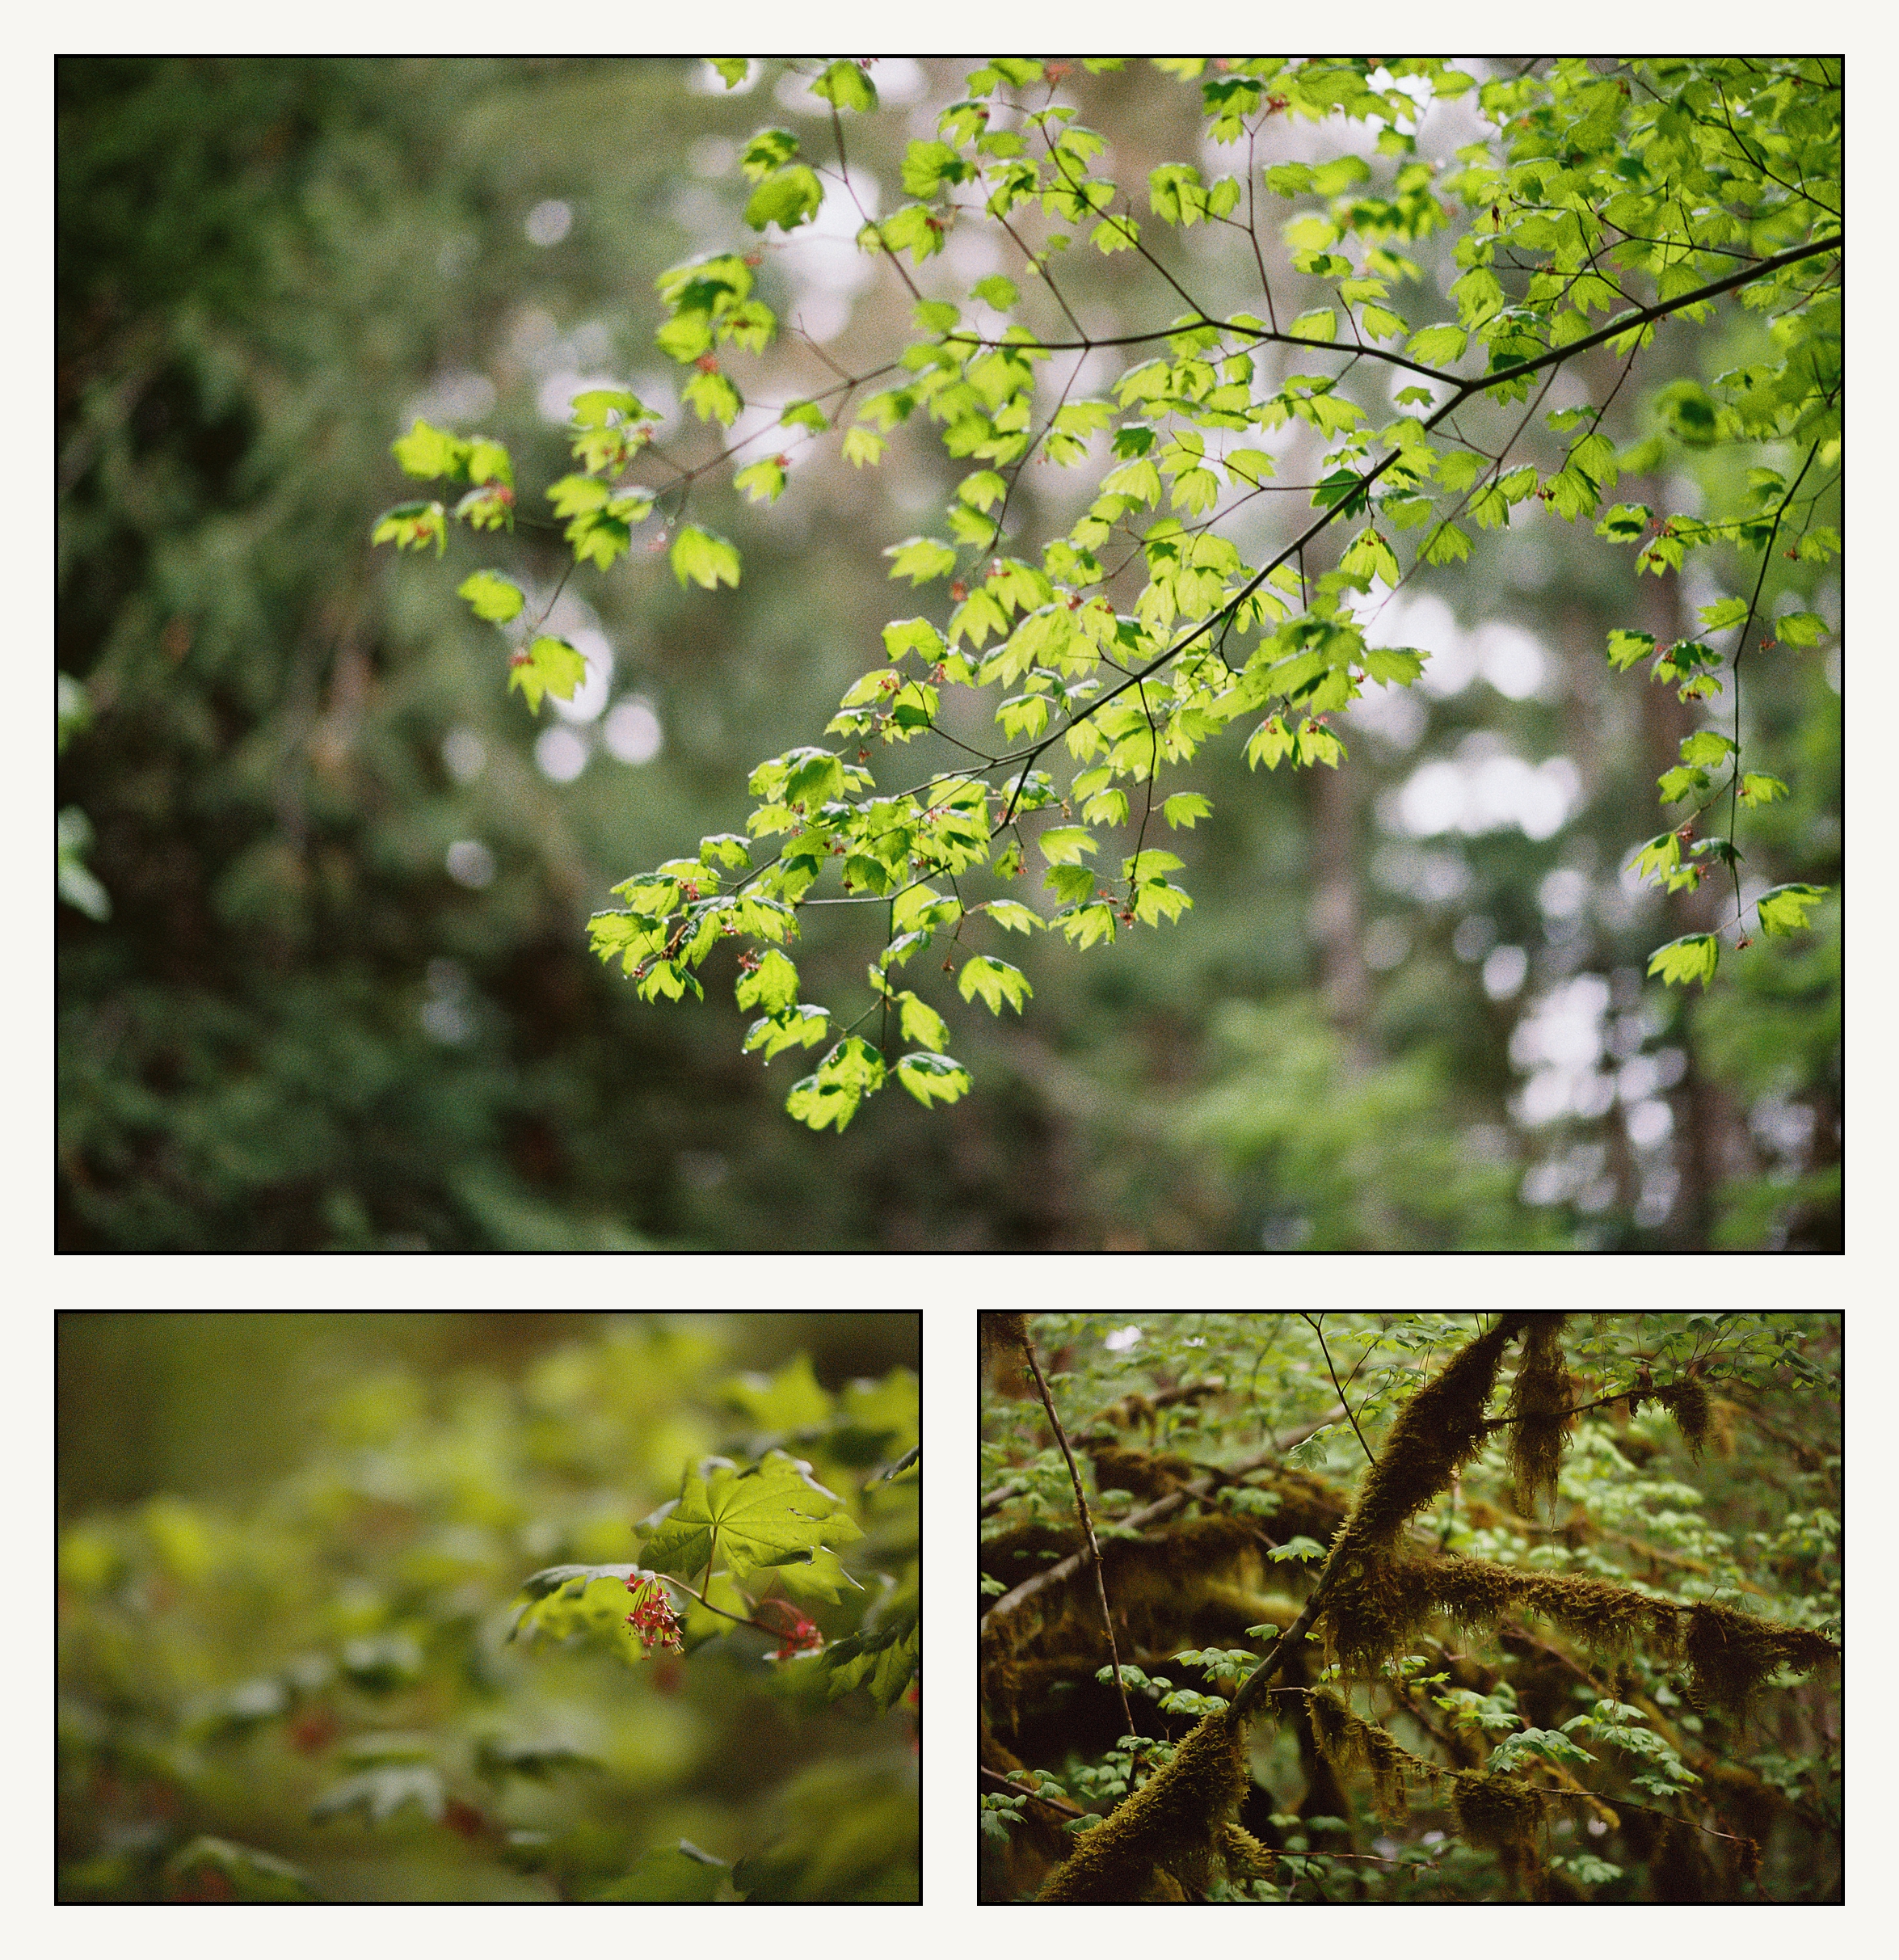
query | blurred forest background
(287,1546)
(323,980)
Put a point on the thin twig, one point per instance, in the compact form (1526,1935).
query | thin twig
(1094,1550)
(1021,1790)
(1311,1321)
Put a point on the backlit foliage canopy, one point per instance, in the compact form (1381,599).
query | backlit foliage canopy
(1259,479)
(1415,1607)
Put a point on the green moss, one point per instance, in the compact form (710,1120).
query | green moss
(1729,1654)
(1437,1433)
(1196,1547)
(1687,1402)
(1172,1831)
(1501,1814)
(1607,1616)
(1346,1739)
(1244,1856)
(1148,1477)
(1376,1604)
(1539,1420)
(1375,1600)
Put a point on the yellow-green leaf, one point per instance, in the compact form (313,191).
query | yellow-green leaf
(547,666)
(1693,957)
(705,558)
(491,596)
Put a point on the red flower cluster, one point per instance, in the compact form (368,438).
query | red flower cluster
(652,1617)
(796,1634)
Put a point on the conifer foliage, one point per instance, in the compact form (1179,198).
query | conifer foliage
(1381,1647)
(1258,479)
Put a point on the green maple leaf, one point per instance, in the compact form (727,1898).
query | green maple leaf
(883,1657)
(705,558)
(492,597)
(1784,910)
(817,1575)
(426,451)
(1691,958)
(561,1600)
(774,1514)
(548,666)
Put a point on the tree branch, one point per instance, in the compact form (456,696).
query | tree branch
(1150,1514)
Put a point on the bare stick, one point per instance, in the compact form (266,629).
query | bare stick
(1094,1551)
(1311,1321)
(1021,1790)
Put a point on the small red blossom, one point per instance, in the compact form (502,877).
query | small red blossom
(313,1730)
(796,1634)
(652,1617)
(707,363)
(464,1820)
(206,1887)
